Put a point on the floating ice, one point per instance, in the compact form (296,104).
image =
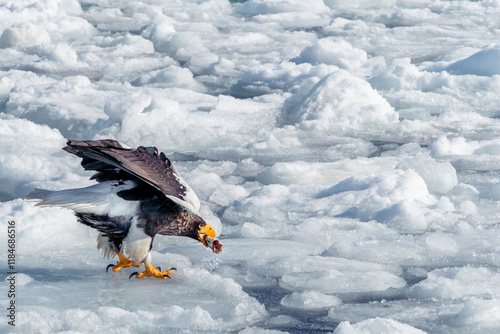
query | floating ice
(309,300)
(457,283)
(377,325)
(23,279)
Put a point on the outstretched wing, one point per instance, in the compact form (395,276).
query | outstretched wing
(112,161)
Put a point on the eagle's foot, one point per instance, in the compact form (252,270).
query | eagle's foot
(122,263)
(153,272)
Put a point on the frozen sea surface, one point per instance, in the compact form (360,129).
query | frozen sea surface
(346,151)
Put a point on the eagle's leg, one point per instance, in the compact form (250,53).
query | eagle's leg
(152,271)
(122,263)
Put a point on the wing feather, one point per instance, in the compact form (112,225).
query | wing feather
(110,159)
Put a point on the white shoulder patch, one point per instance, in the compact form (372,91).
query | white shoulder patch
(188,200)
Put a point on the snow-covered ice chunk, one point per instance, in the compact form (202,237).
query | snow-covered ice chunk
(454,146)
(440,177)
(24,34)
(478,314)
(334,281)
(348,4)
(485,62)
(23,279)
(31,162)
(172,76)
(333,51)
(256,7)
(258,330)
(442,244)
(399,199)
(376,326)
(63,53)
(310,300)
(341,101)
(398,74)
(457,283)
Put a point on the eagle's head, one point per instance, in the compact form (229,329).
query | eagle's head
(204,230)
(206,234)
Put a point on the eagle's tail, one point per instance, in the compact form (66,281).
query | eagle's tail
(73,199)
(43,197)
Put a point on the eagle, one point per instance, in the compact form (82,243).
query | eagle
(138,194)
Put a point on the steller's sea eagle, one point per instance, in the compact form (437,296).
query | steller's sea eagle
(138,195)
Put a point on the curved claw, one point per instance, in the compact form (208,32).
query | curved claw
(133,274)
(158,268)
(109,266)
(173,268)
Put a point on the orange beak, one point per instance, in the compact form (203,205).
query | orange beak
(206,230)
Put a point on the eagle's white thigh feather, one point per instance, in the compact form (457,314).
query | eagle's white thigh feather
(103,245)
(138,244)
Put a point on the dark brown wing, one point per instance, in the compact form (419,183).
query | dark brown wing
(112,162)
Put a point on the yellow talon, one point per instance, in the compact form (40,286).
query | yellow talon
(123,263)
(152,271)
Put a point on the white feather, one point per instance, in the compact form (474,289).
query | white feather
(103,244)
(138,244)
(189,200)
(100,199)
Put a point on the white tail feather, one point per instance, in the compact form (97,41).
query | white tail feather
(100,198)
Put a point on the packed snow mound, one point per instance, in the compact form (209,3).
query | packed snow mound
(340,102)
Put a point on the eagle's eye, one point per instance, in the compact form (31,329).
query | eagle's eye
(201,226)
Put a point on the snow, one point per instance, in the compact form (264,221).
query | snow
(377,325)
(346,153)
